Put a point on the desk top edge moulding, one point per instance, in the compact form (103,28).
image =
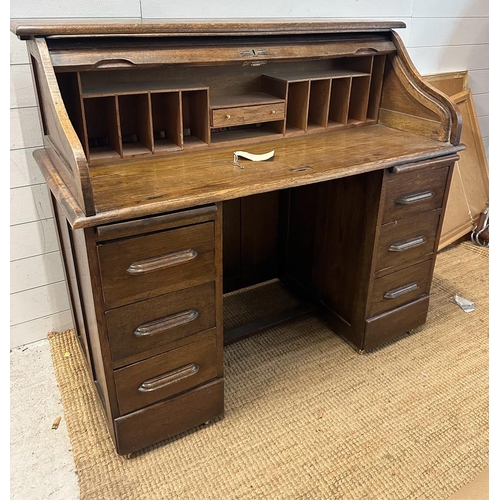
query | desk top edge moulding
(157,221)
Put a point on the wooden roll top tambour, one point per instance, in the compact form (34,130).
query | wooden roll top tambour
(141,120)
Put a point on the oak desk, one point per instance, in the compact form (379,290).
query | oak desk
(141,120)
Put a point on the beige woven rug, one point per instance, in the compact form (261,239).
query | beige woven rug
(308,418)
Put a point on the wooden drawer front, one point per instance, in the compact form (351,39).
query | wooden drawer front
(146,266)
(411,193)
(170,417)
(134,330)
(162,376)
(407,241)
(389,325)
(400,287)
(227,117)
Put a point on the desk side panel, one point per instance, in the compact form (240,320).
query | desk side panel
(83,251)
(332,231)
(60,139)
(408,103)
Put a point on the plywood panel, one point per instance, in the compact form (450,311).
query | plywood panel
(457,220)
(448,83)
(469,190)
(486,143)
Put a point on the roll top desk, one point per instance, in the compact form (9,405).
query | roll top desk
(156,221)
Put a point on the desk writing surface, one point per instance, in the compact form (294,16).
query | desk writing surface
(207,175)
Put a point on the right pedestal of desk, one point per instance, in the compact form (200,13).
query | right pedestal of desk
(364,248)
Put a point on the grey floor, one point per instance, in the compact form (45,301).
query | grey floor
(41,462)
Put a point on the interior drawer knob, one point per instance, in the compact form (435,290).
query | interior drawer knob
(228,116)
(408,199)
(402,245)
(401,290)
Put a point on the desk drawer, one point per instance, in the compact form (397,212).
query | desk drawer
(136,329)
(167,374)
(227,117)
(141,267)
(400,287)
(390,325)
(169,417)
(407,241)
(414,192)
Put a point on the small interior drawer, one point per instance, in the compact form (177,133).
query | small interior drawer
(406,241)
(414,192)
(227,117)
(136,329)
(400,287)
(141,267)
(167,374)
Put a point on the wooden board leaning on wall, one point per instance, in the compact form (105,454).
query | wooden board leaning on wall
(469,191)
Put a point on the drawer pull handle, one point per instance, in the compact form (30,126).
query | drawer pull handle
(153,384)
(408,199)
(402,290)
(156,263)
(166,323)
(402,245)
(228,117)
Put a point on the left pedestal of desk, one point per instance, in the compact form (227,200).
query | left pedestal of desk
(146,297)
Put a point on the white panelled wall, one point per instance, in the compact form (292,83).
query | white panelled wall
(449,35)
